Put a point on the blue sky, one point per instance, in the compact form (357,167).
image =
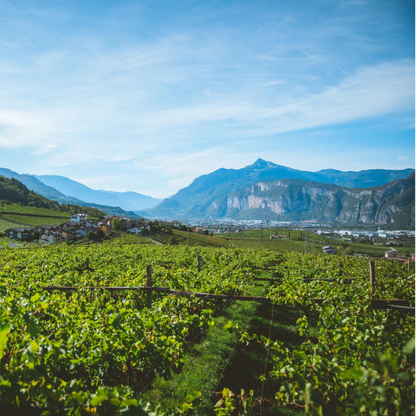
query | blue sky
(147,95)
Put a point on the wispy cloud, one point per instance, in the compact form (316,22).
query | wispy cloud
(275,82)
(371,92)
(168,93)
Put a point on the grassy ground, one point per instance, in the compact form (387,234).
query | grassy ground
(294,240)
(194,239)
(219,360)
(204,364)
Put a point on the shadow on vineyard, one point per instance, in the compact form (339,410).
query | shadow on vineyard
(249,362)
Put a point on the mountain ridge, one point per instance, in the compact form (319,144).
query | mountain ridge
(129,201)
(200,197)
(295,199)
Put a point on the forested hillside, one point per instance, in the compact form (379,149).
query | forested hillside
(12,190)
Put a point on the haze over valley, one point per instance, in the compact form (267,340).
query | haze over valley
(258,191)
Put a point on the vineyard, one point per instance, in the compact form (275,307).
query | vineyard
(125,238)
(4,224)
(195,239)
(28,210)
(14,215)
(281,246)
(97,328)
(294,240)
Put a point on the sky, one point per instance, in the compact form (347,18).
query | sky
(146,96)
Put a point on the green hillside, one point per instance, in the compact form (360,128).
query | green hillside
(20,207)
(13,193)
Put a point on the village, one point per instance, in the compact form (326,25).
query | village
(78,228)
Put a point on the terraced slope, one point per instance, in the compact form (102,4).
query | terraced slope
(194,239)
(18,215)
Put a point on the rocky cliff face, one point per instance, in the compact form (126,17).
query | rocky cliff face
(224,192)
(293,199)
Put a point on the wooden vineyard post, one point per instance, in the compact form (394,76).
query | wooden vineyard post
(199,264)
(148,285)
(372,275)
(88,268)
(340,270)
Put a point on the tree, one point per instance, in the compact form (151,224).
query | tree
(349,251)
(172,241)
(119,225)
(206,232)
(154,226)
(100,234)
(90,236)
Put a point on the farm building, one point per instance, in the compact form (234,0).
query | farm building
(329,250)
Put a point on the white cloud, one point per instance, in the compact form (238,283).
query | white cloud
(174,141)
(403,158)
(372,92)
(276,82)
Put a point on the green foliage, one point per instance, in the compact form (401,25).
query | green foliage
(194,239)
(119,225)
(351,360)
(91,236)
(95,351)
(172,241)
(230,403)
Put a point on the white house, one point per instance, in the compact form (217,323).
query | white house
(393,254)
(384,234)
(77,218)
(51,237)
(135,230)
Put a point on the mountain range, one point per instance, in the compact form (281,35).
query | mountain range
(129,201)
(265,189)
(258,191)
(65,190)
